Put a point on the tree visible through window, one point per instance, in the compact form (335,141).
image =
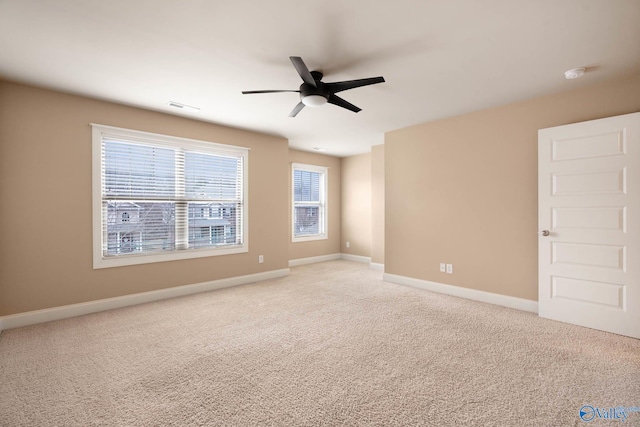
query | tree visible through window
(309,202)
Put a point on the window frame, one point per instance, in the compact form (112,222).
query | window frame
(323,203)
(147,138)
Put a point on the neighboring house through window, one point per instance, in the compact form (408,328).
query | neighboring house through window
(309,214)
(160,198)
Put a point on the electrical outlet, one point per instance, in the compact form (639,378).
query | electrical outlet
(260,259)
(348,244)
(449,268)
(443,267)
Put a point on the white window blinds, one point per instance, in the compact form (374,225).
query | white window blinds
(162,195)
(309,202)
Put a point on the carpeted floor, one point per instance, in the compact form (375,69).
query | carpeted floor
(330,345)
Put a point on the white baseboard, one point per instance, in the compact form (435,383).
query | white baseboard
(313,260)
(376,266)
(472,294)
(331,257)
(57,313)
(356,258)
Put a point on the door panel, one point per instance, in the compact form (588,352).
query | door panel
(609,294)
(589,201)
(589,218)
(608,144)
(600,182)
(589,255)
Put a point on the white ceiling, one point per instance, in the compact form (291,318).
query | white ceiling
(439,57)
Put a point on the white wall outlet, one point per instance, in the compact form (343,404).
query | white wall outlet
(443,267)
(348,244)
(260,259)
(449,268)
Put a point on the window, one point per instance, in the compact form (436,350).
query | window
(309,202)
(158,198)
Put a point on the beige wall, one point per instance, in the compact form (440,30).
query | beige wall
(356,205)
(45,209)
(461,190)
(299,250)
(377,204)
(464,190)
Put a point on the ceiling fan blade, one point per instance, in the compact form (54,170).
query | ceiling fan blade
(336,100)
(302,70)
(350,84)
(248,92)
(296,110)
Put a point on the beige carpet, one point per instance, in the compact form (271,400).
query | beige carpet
(330,345)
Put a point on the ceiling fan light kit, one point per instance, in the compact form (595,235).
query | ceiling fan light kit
(314,100)
(315,93)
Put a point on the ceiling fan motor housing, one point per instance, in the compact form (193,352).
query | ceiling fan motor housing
(314,96)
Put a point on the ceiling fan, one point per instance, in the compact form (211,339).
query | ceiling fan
(314,92)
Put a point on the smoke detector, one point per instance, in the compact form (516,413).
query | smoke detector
(574,73)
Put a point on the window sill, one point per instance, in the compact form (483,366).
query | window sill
(309,238)
(124,260)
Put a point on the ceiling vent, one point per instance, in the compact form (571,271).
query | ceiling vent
(183,106)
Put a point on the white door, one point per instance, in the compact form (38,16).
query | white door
(589,224)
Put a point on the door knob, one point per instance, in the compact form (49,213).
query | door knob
(545,232)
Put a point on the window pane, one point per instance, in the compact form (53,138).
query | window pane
(212,224)
(307,220)
(306,186)
(138,170)
(212,177)
(140,227)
